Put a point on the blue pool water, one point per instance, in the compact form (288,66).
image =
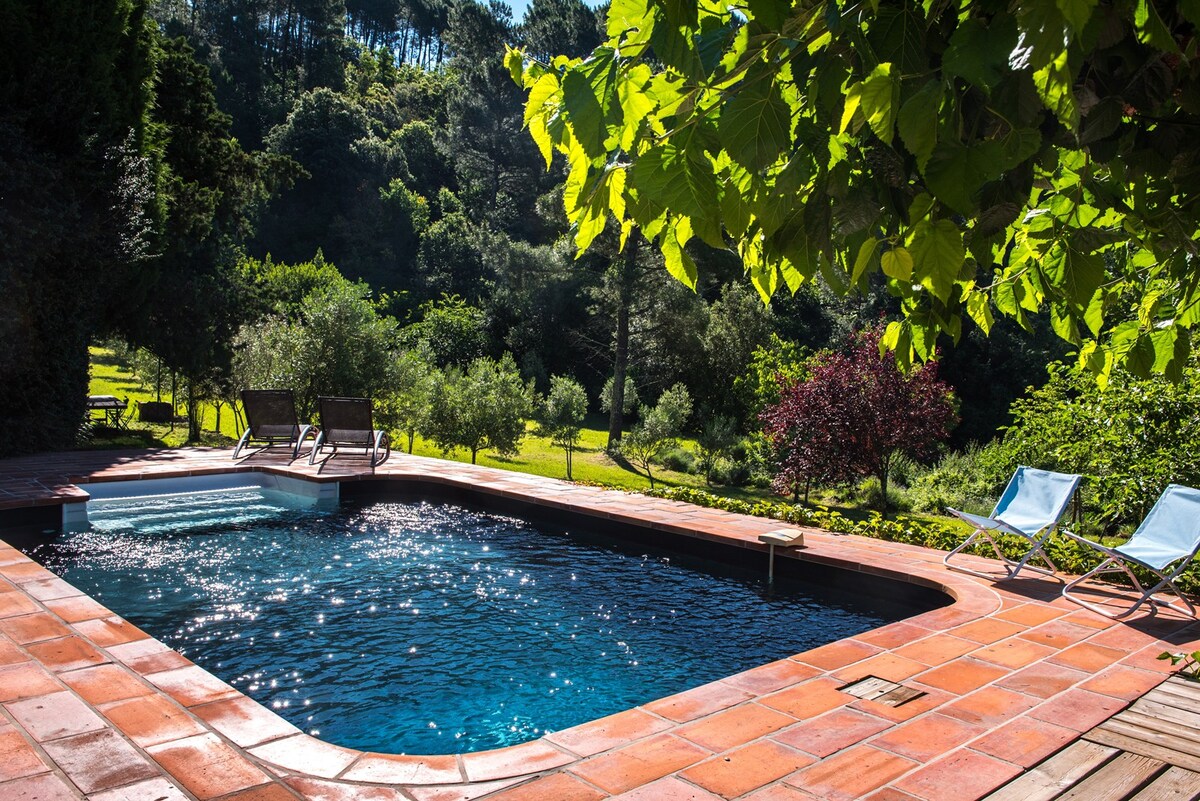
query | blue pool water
(419,627)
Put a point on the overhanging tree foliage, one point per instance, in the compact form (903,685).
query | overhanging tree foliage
(987,158)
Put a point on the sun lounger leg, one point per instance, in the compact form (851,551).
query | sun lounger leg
(241,443)
(1011,567)
(1110,565)
(312,457)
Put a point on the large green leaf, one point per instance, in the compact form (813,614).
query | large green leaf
(879,97)
(938,253)
(1151,28)
(918,122)
(770,13)
(897,263)
(631,19)
(899,33)
(980,311)
(1074,273)
(679,264)
(678,179)
(586,97)
(1055,85)
(544,92)
(979,54)
(866,254)
(1077,13)
(754,126)
(956,172)
(635,102)
(1018,145)
(675,48)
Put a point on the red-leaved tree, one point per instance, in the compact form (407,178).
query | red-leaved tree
(854,414)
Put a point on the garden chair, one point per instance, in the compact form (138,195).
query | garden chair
(346,423)
(271,420)
(1163,545)
(1031,507)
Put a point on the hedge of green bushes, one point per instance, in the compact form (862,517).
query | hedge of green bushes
(1068,555)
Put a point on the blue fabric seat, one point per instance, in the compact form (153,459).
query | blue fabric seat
(1031,507)
(1164,545)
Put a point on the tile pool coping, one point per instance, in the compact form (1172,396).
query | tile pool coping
(90,707)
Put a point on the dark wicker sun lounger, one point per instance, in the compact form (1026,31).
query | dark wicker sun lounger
(346,423)
(271,420)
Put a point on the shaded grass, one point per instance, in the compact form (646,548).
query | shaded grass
(110,377)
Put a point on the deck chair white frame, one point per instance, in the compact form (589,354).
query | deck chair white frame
(1031,507)
(1164,544)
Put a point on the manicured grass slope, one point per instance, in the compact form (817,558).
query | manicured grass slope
(537,456)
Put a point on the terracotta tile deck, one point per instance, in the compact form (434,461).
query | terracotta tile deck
(90,707)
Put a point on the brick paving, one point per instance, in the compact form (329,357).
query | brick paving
(91,707)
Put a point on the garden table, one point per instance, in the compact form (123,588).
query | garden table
(113,409)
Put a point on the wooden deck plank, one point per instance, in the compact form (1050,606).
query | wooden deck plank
(1160,724)
(1116,780)
(1109,736)
(1047,780)
(1183,688)
(1176,784)
(1153,733)
(1169,712)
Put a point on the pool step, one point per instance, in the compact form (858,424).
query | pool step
(189,512)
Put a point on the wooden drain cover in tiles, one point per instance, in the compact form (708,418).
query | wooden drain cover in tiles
(1148,752)
(882,691)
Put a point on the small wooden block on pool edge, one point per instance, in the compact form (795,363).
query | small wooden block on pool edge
(784,537)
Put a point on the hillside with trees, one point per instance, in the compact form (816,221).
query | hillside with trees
(356,197)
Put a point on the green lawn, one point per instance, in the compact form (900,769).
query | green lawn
(537,456)
(110,377)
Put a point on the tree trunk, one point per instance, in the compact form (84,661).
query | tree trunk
(473,452)
(616,414)
(412,434)
(883,488)
(193,412)
(568,463)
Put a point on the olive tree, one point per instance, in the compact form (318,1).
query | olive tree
(658,428)
(481,408)
(338,345)
(561,415)
(406,404)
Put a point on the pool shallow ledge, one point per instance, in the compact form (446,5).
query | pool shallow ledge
(265,736)
(322,494)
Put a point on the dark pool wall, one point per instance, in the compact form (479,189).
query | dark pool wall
(912,598)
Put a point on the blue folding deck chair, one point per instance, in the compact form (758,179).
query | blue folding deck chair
(1164,544)
(1030,508)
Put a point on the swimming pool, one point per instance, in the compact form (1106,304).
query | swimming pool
(416,626)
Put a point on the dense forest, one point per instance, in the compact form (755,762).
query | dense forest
(159,149)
